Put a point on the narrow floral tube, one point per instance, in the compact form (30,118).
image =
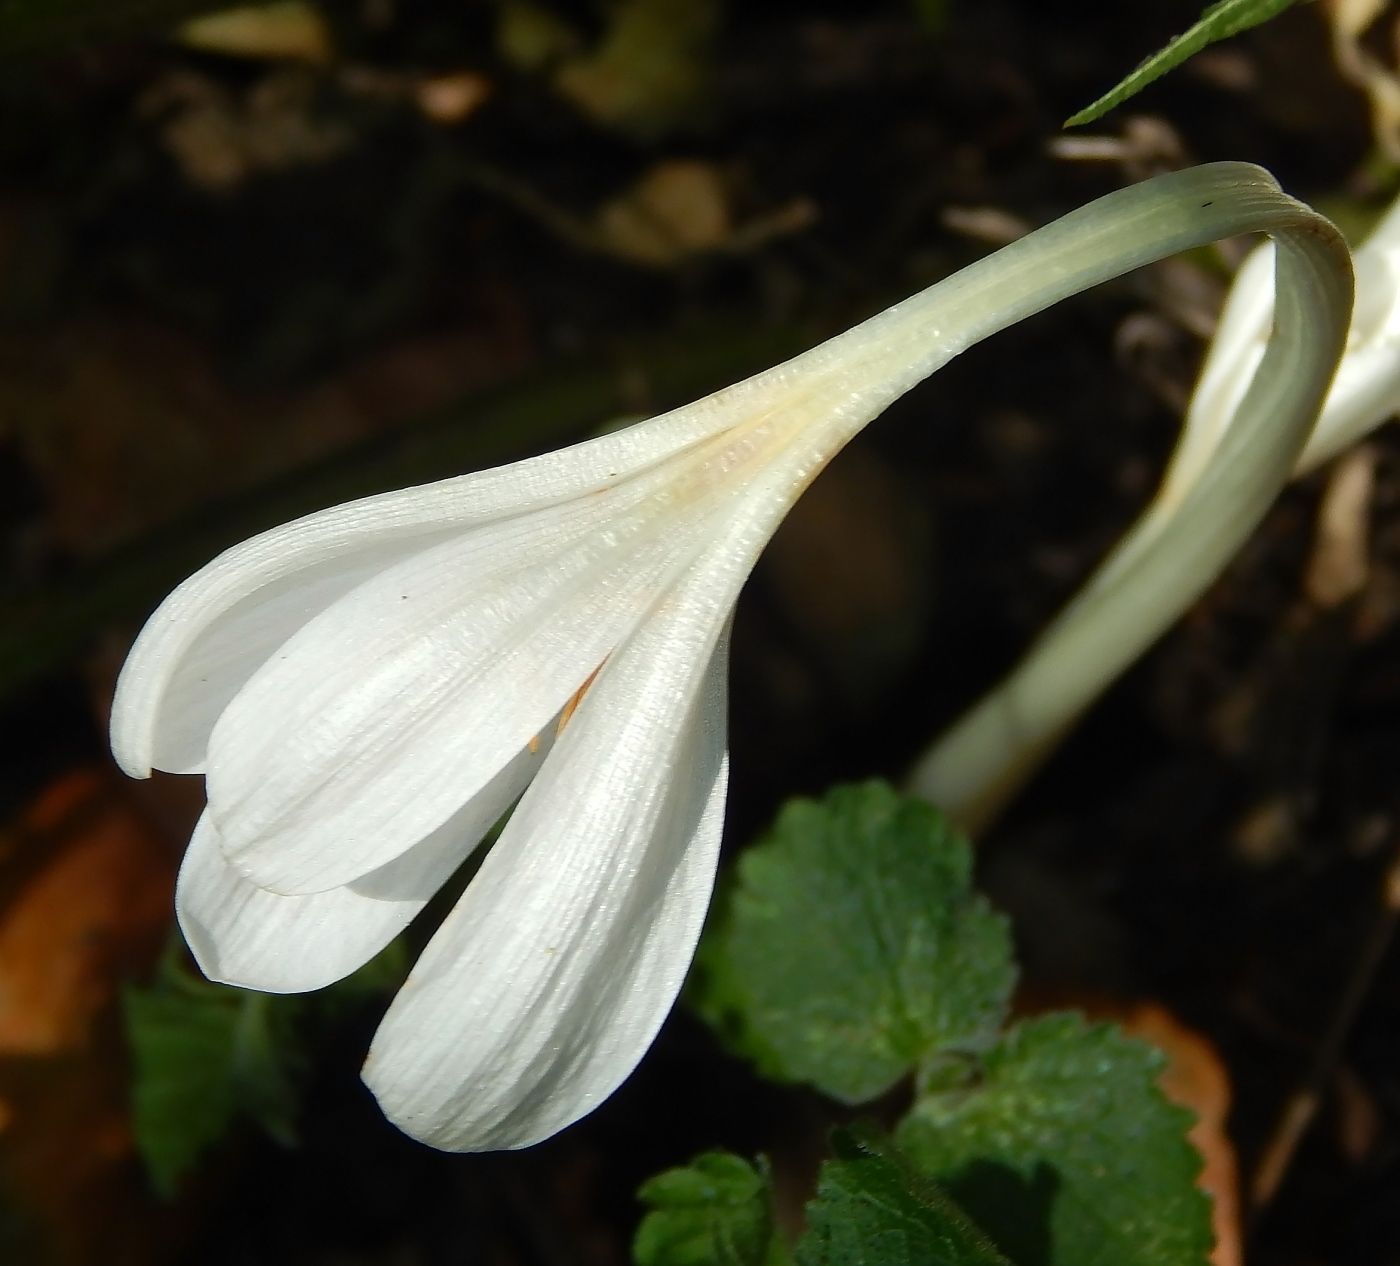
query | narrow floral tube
(985,757)
(368,689)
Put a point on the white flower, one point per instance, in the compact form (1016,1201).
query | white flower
(368,689)
(1366,390)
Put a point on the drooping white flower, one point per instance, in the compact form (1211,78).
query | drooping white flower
(368,689)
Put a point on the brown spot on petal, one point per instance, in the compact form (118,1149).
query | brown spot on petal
(574,700)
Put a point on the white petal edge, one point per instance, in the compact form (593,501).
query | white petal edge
(210,634)
(548,982)
(354,538)
(243,935)
(1367,387)
(373,723)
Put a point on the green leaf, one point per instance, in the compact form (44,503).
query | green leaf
(716,1211)
(1065,1152)
(874,1209)
(852,947)
(183,1097)
(205,1055)
(1218,22)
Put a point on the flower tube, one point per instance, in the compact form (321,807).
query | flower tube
(985,757)
(367,689)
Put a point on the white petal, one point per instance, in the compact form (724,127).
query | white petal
(243,935)
(213,631)
(372,724)
(1367,387)
(1233,356)
(216,664)
(217,628)
(547,983)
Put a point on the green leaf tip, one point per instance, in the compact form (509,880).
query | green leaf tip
(716,1211)
(850,947)
(1220,21)
(873,1208)
(1066,1152)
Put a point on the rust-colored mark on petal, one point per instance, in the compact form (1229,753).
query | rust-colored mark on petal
(574,701)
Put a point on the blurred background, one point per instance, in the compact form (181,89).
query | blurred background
(255,263)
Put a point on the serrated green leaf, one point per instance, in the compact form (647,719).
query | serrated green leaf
(204,1055)
(1218,22)
(716,1211)
(1065,1151)
(852,946)
(873,1209)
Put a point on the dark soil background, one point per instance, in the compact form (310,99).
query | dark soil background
(1211,837)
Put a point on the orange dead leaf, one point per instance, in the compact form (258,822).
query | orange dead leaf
(85,893)
(96,903)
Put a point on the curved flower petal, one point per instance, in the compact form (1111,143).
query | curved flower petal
(243,935)
(1367,386)
(547,983)
(372,724)
(210,635)
(214,667)
(1235,352)
(220,625)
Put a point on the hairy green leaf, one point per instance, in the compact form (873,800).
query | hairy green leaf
(716,1211)
(1218,22)
(874,1209)
(1062,1148)
(852,946)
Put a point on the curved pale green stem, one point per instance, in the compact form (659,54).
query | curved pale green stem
(1181,542)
